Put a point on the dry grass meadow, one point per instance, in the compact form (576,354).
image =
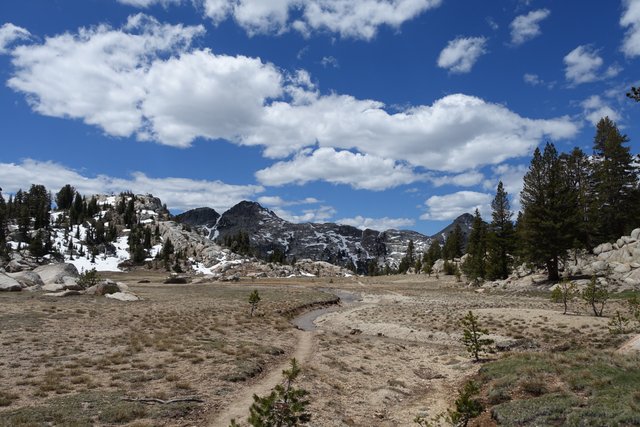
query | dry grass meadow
(379,362)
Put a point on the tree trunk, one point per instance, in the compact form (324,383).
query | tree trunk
(552,269)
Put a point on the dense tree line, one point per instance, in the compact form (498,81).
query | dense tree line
(240,243)
(569,201)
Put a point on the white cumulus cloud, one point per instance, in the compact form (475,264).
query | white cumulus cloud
(10,34)
(277,201)
(378,224)
(461,54)
(148,3)
(358,19)
(465,179)
(631,20)
(360,171)
(584,65)
(177,193)
(451,206)
(595,108)
(98,74)
(145,80)
(527,27)
(535,80)
(208,96)
(319,214)
(476,132)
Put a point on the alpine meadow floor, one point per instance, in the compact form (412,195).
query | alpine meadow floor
(381,361)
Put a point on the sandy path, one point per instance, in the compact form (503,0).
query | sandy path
(239,407)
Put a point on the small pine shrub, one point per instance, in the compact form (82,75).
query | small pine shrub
(88,278)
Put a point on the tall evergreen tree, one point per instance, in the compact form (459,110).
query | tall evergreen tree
(408,260)
(549,211)
(433,254)
(92,207)
(37,245)
(474,266)
(39,205)
(130,214)
(453,245)
(24,220)
(615,182)
(76,212)
(501,236)
(580,179)
(136,246)
(64,197)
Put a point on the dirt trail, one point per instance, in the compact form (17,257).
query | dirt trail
(239,407)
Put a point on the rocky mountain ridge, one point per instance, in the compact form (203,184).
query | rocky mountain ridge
(191,251)
(271,236)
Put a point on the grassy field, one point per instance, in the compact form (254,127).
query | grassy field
(573,388)
(70,361)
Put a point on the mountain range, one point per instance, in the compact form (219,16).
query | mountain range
(272,237)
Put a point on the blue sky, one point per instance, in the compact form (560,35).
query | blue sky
(376,113)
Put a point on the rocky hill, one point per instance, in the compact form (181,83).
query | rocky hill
(206,217)
(127,231)
(272,237)
(466,223)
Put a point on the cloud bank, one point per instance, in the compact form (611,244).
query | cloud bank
(145,80)
(177,193)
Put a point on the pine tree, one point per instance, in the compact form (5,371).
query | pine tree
(372,267)
(37,245)
(76,212)
(549,211)
(474,265)
(501,236)
(453,245)
(24,220)
(595,295)
(136,247)
(100,237)
(39,206)
(285,406)
(92,207)
(580,179)
(254,299)
(64,197)
(466,406)
(408,260)
(147,238)
(472,336)
(167,249)
(418,265)
(433,254)
(112,232)
(564,293)
(130,214)
(615,182)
